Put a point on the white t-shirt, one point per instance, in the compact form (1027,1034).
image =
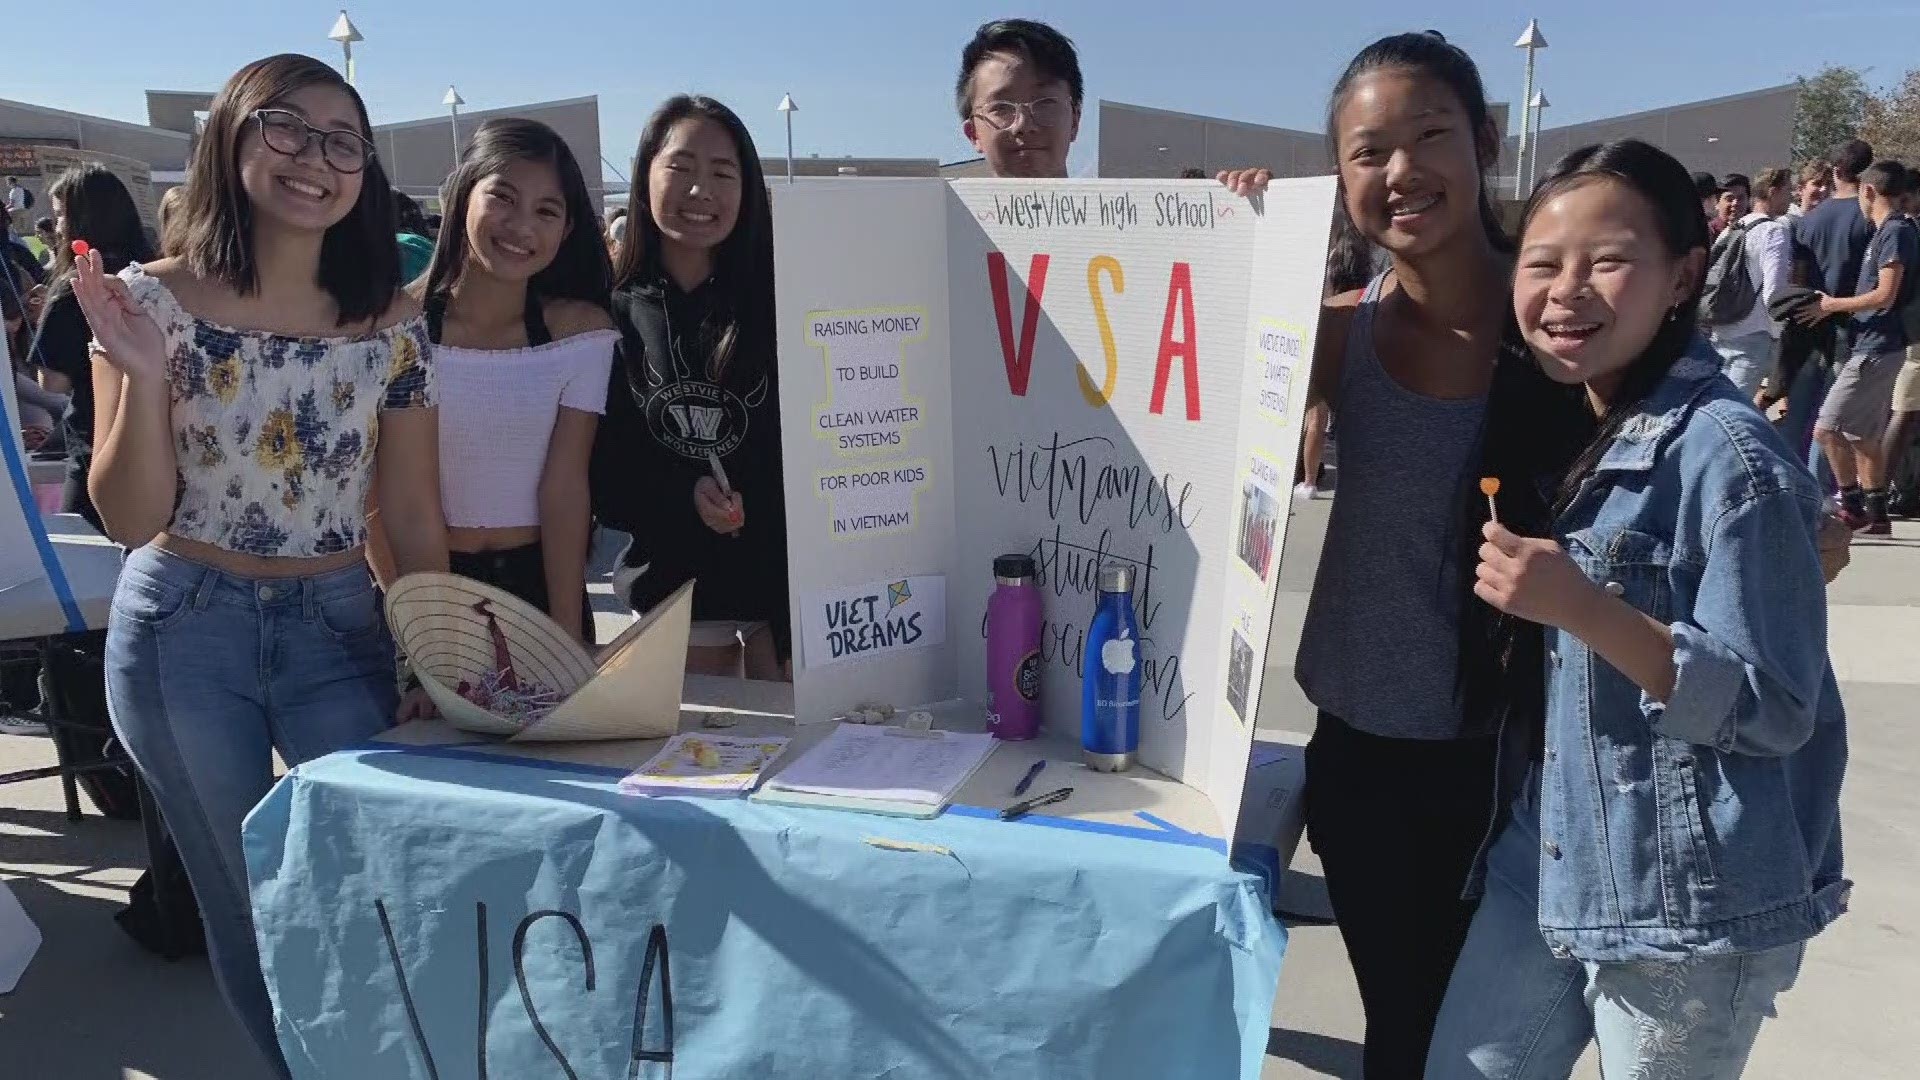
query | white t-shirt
(1770,268)
(16,198)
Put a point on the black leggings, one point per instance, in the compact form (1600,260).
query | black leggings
(1396,823)
(521,571)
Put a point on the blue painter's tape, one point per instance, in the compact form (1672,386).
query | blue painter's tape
(1104,828)
(30,509)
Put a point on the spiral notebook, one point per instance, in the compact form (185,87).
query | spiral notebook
(880,770)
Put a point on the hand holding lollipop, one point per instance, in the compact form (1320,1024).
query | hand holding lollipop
(122,331)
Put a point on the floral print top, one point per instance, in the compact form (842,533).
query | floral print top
(274,435)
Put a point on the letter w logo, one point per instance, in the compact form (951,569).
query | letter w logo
(700,422)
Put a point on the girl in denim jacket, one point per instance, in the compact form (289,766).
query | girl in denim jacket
(1673,835)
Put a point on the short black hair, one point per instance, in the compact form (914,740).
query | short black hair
(1889,178)
(1705,186)
(1736,180)
(45,224)
(1043,46)
(1850,159)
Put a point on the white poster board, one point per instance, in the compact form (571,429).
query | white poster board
(137,175)
(1084,371)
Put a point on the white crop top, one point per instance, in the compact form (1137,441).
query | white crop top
(497,411)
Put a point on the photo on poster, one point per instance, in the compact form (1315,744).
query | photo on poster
(1260,511)
(1239,675)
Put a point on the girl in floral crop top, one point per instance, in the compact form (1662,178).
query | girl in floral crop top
(250,393)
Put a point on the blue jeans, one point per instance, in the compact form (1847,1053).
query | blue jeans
(207,675)
(1516,1011)
(1804,398)
(1747,359)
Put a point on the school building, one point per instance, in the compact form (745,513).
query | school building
(416,154)
(1738,133)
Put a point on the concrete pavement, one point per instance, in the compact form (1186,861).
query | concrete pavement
(94,1007)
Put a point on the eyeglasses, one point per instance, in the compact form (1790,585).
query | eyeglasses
(1047,112)
(286,133)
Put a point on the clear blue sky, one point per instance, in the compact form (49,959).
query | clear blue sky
(875,78)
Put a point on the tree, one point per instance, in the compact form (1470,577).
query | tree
(1892,122)
(1833,107)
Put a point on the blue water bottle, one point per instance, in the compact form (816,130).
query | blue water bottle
(1110,679)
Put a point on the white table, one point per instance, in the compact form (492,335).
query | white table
(33,612)
(92,566)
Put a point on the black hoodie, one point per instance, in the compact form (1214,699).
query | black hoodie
(665,415)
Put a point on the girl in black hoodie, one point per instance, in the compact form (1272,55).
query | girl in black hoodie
(687,459)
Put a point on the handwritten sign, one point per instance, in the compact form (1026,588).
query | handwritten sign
(874,618)
(136,175)
(1094,366)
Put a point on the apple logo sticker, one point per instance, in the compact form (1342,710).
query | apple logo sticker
(1117,655)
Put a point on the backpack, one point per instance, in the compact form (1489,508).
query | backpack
(1729,293)
(26,198)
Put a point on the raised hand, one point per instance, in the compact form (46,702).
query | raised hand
(1247,183)
(131,340)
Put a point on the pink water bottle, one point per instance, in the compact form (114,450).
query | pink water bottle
(1013,649)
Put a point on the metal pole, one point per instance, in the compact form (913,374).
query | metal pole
(1526,111)
(346,52)
(789,146)
(453,121)
(1533,163)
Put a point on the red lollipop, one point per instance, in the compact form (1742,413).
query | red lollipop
(81,247)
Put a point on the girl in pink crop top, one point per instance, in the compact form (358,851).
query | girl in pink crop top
(515,300)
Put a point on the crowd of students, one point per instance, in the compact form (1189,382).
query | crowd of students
(1828,344)
(1575,774)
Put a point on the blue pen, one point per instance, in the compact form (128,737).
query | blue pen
(1026,781)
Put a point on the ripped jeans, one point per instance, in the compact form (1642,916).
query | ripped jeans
(1514,1011)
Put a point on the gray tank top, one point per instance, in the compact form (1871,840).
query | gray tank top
(1382,635)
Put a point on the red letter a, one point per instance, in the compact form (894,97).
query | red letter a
(1019,363)
(1179,289)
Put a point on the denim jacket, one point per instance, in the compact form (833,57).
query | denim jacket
(1709,824)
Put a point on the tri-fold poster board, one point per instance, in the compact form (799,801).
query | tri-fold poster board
(1085,371)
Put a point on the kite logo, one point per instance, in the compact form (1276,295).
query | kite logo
(898,593)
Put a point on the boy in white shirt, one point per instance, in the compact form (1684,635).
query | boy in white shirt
(1746,345)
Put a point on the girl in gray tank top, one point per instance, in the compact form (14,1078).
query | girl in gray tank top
(1398,793)
(1380,646)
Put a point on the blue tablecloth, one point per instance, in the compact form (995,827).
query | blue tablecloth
(444,912)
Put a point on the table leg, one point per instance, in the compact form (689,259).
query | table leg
(51,713)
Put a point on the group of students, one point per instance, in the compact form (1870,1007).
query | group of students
(1828,345)
(1576,768)
(1626,645)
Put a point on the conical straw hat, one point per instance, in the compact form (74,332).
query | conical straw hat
(440,622)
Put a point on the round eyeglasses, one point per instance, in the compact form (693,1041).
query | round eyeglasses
(287,133)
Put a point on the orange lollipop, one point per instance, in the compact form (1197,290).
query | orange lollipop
(81,247)
(1490,486)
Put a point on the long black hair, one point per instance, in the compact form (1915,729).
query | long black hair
(1542,439)
(742,263)
(579,270)
(212,232)
(96,207)
(1430,54)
